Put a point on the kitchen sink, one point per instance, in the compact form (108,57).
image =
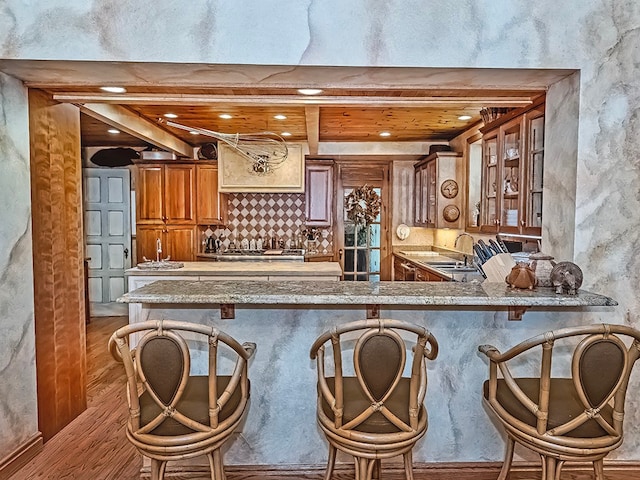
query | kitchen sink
(447,263)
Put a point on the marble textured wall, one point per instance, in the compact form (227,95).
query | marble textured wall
(18,406)
(283,377)
(597,37)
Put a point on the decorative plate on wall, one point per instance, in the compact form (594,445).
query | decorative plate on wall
(449,188)
(451,213)
(403,231)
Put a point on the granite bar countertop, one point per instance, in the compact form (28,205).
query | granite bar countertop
(248,268)
(356,293)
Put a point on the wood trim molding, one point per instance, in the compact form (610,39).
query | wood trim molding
(17,459)
(312,120)
(616,470)
(131,123)
(58,261)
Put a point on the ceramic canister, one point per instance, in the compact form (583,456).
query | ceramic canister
(542,264)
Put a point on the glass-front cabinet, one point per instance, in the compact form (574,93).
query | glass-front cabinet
(535,170)
(489,211)
(512,172)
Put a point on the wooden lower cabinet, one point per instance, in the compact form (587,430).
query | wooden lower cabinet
(403,270)
(406,271)
(319,258)
(178,242)
(423,275)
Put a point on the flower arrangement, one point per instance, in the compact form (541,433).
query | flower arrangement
(363,205)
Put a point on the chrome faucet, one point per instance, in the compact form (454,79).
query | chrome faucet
(158,249)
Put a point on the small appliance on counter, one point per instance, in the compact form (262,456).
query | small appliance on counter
(212,245)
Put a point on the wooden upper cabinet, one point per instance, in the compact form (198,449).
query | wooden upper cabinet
(438,201)
(146,242)
(180,241)
(166,210)
(319,193)
(177,242)
(149,193)
(165,193)
(211,205)
(179,193)
(513,165)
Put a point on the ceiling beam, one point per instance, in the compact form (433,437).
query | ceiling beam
(133,124)
(294,100)
(312,120)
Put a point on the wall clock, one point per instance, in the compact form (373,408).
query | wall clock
(449,188)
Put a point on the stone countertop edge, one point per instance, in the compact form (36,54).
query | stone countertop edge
(263,267)
(356,293)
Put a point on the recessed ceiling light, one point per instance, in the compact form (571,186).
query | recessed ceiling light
(171,115)
(385,134)
(280,117)
(193,132)
(226,116)
(113,131)
(286,134)
(464,117)
(309,91)
(113,89)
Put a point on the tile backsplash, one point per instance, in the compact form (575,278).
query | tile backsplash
(262,215)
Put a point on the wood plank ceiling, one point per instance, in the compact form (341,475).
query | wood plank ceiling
(335,115)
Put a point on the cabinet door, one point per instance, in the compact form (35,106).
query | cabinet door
(432,193)
(510,181)
(489,207)
(398,273)
(535,169)
(319,195)
(147,242)
(179,191)
(417,196)
(211,206)
(181,242)
(421,275)
(149,194)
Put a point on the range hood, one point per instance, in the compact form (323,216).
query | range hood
(235,173)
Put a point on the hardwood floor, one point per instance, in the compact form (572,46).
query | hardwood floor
(94,446)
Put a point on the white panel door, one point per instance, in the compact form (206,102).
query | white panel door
(107,226)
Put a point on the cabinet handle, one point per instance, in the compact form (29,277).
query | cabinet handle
(522,222)
(340,254)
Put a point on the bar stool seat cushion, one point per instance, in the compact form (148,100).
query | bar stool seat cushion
(564,405)
(376,423)
(193,404)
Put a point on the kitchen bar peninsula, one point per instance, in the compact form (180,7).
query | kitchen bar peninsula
(285,317)
(265,270)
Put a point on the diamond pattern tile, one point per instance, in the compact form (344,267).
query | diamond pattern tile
(262,215)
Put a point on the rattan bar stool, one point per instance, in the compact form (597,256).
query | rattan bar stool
(174,415)
(578,417)
(374,412)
